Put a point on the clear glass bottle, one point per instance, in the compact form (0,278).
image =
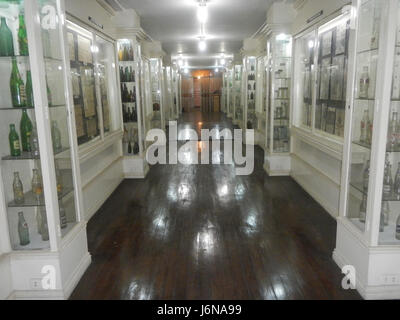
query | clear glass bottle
(63,216)
(18,189)
(59,180)
(23,230)
(37,186)
(385,212)
(392,132)
(56,135)
(364,84)
(39,219)
(44,226)
(398,228)
(396,187)
(364,127)
(388,182)
(363,209)
(34,143)
(366,176)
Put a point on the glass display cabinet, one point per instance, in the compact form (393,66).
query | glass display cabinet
(237,111)
(129,76)
(368,235)
(261,99)
(40,191)
(277,97)
(231,92)
(249,93)
(175,93)
(157,118)
(168,95)
(224,95)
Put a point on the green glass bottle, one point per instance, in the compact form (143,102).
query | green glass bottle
(29,90)
(22,37)
(26,131)
(17,87)
(13,138)
(6,40)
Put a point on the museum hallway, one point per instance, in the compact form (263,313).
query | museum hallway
(200,232)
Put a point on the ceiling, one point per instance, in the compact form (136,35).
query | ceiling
(175,24)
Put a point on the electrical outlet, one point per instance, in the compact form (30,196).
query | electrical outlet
(391,279)
(36,284)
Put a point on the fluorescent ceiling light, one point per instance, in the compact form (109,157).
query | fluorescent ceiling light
(223,61)
(202,45)
(202,13)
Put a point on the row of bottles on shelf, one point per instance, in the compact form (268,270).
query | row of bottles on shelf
(384,218)
(125,52)
(364,84)
(42,225)
(130,140)
(280,112)
(37,186)
(251,87)
(366,129)
(393,139)
(21,93)
(129,114)
(251,96)
(7,41)
(127,74)
(128,95)
(252,77)
(29,138)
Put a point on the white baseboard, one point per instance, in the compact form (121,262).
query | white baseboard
(76,276)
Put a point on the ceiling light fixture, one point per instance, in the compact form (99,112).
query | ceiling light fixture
(202,13)
(202,44)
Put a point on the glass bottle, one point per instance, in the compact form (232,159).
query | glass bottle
(18,189)
(39,219)
(37,186)
(363,209)
(26,131)
(6,39)
(388,182)
(59,180)
(22,37)
(364,84)
(396,187)
(398,228)
(49,95)
(44,228)
(23,230)
(366,176)
(29,90)
(364,124)
(17,87)
(63,216)
(34,144)
(56,135)
(392,139)
(385,212)
(13,138)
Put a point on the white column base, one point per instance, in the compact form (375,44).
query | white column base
(377,268)
(135,167)
(277,165)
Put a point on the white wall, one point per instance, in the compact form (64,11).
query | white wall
(315,165)
(5,277)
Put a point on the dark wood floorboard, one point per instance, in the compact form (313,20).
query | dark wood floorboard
(200,232)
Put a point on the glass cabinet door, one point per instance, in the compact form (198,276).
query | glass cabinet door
(281,80)
(251,121)
(390,211)
(108,90)
(155,92)
(238,93)
(81,50)
(364,104)
(305,51)
(61,127)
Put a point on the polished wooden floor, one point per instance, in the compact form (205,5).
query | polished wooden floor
(200,232)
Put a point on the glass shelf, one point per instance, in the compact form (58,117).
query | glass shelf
(359,187)
(30,108)
(28,156)
(31,200)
